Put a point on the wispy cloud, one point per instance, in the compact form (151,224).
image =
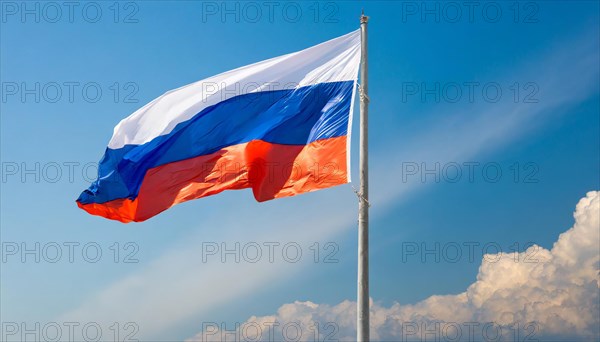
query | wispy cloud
(565,75)
(181,283)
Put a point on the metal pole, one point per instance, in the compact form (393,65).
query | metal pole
(362,333)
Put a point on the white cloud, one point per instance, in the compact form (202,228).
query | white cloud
(551,294)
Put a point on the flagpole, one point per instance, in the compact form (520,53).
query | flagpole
(362,328)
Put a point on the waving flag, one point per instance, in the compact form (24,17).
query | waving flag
(280,127)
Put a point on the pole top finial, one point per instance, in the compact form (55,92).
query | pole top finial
(363,18)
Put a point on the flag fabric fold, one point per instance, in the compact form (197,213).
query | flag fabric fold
(280,127)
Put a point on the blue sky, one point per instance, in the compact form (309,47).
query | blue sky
(542,56)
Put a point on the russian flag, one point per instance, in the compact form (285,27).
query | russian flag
(280,127)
